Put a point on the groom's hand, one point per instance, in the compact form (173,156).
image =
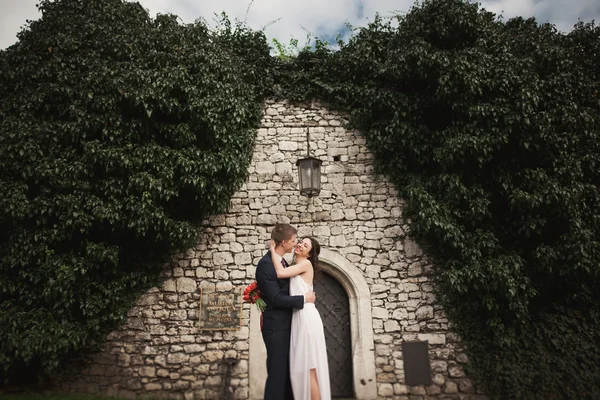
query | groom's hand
(310,297)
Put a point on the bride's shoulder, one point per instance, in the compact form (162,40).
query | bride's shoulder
(305,263)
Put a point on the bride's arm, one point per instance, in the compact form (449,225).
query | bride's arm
(290,271)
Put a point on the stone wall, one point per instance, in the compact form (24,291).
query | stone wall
(160,352)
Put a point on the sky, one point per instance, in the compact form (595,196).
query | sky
(285,19)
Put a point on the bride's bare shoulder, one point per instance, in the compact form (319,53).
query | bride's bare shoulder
(305,263)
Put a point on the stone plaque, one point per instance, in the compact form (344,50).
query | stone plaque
(220,311)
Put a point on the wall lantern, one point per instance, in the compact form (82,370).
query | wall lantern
(309,173)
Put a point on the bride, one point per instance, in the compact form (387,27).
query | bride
(309,371)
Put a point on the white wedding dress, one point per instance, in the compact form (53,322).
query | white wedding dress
(307,346)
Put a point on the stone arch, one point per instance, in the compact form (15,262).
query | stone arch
(361,326)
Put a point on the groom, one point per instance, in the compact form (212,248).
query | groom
(277,318)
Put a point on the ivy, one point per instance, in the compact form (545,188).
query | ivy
(490,131)
(117,133)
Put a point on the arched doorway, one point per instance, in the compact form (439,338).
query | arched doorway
(334,308)
(353,282)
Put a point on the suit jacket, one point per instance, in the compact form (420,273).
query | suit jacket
(276,293)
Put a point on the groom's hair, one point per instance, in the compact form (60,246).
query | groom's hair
(282,232)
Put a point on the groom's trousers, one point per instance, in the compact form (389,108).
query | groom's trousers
(279,385)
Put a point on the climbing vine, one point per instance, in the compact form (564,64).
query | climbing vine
(490,131)
(117,133)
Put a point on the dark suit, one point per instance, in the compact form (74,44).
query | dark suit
(277,324)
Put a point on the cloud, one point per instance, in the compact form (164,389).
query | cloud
(279,19)
(562,13)
(13,16)
(284,19)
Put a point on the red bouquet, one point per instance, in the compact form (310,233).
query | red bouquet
(252,296)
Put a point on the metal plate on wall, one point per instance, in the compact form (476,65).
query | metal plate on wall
(417,369)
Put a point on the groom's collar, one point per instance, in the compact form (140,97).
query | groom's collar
(281,258)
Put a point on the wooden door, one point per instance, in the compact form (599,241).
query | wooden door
(332,303)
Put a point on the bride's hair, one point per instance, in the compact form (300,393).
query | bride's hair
(313,256)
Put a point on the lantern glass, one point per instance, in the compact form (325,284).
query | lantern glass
(309,176)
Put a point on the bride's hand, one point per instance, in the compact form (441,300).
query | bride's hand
(272,245)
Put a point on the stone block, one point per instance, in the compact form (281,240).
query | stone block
(380,312)
(148,371)
(424,313)
(400,389)
(238,274)
(222,258)
(181,385)
(350,215)
(286,145)
(353,189)
(433,338)
(266,219)
(152,386)
(385,390)
(212,356)
(379,288)
(438,379)
(456,371)
(214,380)
(418,390)
(284,168)
(411,249)
(337,241)
(386,377)
(391,326)
(177,358)
(265,168)
(337,214)
(193,348)
(224,286)
(222,275)
(170,285)
(186,285)
(450,387)
(389,274)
